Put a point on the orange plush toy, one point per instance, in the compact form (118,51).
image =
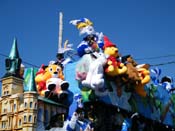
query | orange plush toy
(113,67)
(45,73)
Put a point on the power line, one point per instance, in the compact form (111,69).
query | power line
(27,63)
(157,57)
(166,63)
(3,55)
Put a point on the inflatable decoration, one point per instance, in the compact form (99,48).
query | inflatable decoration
(113,67)
(92,39)
(64,55)
(167,83)
(90,73)
(155,75)
(136,76)
(95,78)
(83,24)
(131,75)
(82,67)
(56,89)
(45,83)
(79,100)
(144,75)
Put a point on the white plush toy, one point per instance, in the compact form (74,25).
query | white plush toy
(94,78)
(57,86)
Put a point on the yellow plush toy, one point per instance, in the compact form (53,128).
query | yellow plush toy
(144,75)
(45,73)
(113,67)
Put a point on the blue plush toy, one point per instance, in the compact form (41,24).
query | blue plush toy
(92,41)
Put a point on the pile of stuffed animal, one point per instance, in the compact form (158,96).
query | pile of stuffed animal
(102,72)
(101,64)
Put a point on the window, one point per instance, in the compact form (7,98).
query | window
(14,107)
(19,122)
(30,118)
(25,104)
(5,110)
(31,104)
(3,124)
(35,105)
(25,118)
(35,119)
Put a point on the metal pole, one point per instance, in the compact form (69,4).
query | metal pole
(60,31)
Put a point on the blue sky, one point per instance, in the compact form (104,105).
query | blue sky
(142,28)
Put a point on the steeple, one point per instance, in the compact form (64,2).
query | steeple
(13,62)
(30,82)
(14,50)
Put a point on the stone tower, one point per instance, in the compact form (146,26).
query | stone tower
(12,82)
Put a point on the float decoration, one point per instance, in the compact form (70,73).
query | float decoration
(113,67)
(133,85)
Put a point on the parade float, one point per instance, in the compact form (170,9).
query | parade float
(106,91)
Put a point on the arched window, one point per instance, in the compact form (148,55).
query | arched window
(14,107)
(31,104)
(35,105)
(3,124)
(25,118)
(34,119)
(30,118)
(19,122)
(25,104)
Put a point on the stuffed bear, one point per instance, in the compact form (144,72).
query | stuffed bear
(131,77)
(45,73)
(113,67)
(131,74)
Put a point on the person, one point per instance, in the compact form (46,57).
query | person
(60,122)
(80,122)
